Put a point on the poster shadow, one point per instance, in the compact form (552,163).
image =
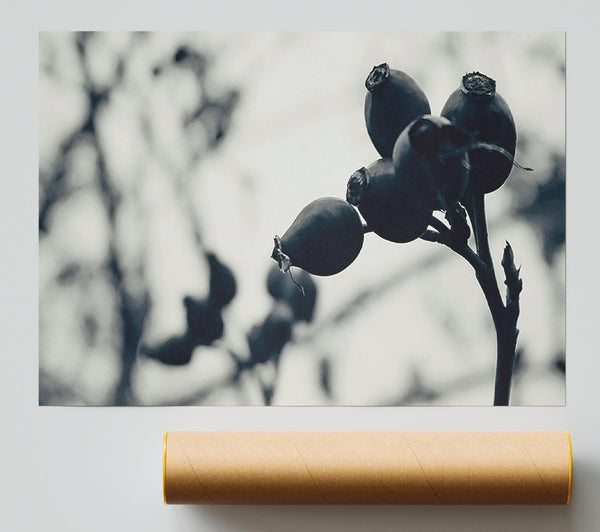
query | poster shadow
(580,515)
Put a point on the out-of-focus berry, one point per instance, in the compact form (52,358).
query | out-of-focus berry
(175,351)
(267,340)
(282,287)
(222,282)
(204,321)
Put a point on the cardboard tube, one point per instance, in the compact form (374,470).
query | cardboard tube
(367,467)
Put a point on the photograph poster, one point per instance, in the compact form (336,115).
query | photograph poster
(302,218)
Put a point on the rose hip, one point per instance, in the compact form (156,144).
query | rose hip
(476,107)
(387,207)
(431,161)
(393,100)
(324,239)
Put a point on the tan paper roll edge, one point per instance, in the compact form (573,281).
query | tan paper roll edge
(367,467)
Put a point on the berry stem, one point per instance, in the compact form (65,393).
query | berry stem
(439,225)
(504,317)
(445,235)
(131,310)
(486,276)
(268,388)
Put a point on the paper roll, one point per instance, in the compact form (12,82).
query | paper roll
(367,468)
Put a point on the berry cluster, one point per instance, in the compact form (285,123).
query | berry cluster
(428,163)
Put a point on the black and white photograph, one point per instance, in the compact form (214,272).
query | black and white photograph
(302,218)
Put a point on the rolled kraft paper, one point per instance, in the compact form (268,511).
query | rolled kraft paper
(367,467)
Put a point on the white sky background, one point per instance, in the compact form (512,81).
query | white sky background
(297,134)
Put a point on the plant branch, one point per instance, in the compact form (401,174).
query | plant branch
(507,333)
(268,388)
(504,316)
(479,222)
(439,225)
(513,282)
(505,320)
(432,236)
(445,235)
(131,312)
(468,204)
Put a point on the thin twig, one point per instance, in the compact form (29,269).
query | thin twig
(432,236)
(436,223)
(504,317)
(513,282)
(479,222)
(485,276)
(505,325)
(131,320)
(508,332)
(505,320)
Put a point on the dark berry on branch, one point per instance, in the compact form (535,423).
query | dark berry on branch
(388,208)
(175,351)
(267,340)
(431,160)
(283,288)
(324,239)
(393,100)
(476,107)
(222,282)
(204,321)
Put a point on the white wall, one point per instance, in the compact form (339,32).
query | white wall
(100,468)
